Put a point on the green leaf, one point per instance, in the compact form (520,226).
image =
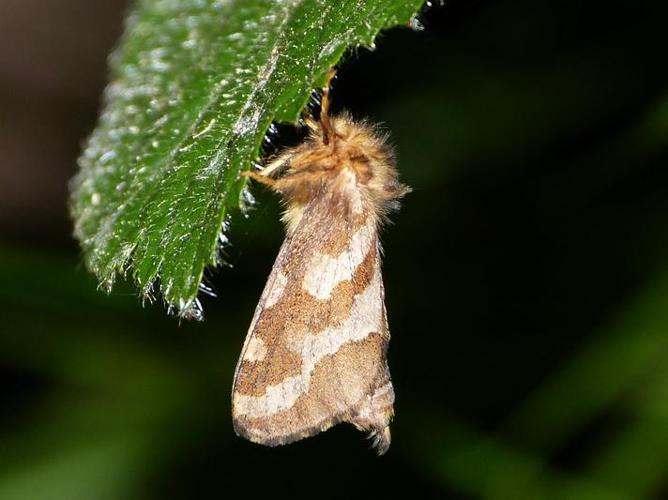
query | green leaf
(195,86)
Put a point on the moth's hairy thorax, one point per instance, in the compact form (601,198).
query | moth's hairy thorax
(351,173)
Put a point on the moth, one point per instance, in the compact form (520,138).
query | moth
(316,351)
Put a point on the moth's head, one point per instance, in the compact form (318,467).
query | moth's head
(341,148)
(363,152)
(346,162)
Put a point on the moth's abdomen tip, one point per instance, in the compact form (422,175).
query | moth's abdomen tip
(381,440)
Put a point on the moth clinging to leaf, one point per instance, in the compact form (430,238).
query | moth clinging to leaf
(316,351)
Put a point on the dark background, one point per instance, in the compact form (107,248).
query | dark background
(526,275)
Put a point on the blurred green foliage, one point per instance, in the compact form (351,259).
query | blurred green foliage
(527,288)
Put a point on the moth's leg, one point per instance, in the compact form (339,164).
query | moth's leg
(277,164)
(311,124)
(328,132)
(282,182)
(268,181)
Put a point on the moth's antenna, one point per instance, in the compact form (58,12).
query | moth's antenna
(326,125)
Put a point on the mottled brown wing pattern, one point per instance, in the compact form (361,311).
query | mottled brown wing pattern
(315,353)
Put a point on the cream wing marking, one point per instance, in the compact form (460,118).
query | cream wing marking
(256,350)
(276,291)
(325,272)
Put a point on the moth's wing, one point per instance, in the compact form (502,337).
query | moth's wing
(315,354)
